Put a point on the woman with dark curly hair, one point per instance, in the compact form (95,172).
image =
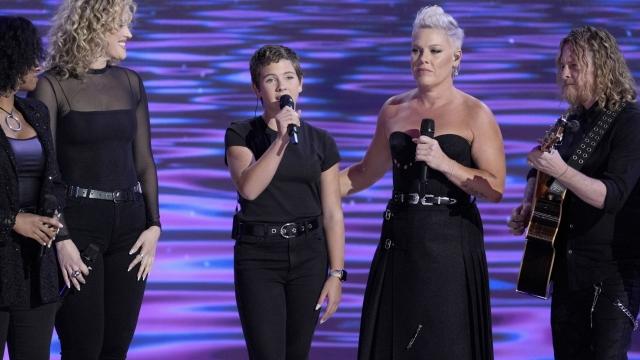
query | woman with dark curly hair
(100,123)
(29,175)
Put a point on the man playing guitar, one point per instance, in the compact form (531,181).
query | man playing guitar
(596,281)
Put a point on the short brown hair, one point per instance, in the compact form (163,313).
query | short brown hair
(272,54)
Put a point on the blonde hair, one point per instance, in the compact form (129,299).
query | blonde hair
(433,17)
(77,35)
(612,83)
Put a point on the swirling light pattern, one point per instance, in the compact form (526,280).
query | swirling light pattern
(193,56)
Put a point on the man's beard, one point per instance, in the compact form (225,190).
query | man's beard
(577,95)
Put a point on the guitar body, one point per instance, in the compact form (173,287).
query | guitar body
(539,252)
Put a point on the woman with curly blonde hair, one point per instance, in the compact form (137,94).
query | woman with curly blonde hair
(100,125)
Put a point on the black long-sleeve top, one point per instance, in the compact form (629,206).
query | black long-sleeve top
(11,261)
(101,129)
(593,243)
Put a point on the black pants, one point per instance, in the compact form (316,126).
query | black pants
(99,321)
(27,326)
(27,331)
(278,282)
(603,335)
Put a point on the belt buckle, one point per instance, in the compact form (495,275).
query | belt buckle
(424,200)
(451,201)
(413,198)
(115,194)
(73,191)
(283,231)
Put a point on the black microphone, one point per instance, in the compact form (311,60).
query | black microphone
(573,125)
(427,128)
(287,100)
(88,256)
(48,209)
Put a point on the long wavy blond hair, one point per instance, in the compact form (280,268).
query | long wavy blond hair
(77,35)
(613,82)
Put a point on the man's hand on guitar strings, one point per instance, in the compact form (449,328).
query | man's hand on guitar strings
(519,219)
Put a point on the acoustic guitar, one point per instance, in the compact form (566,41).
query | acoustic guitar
(539,253)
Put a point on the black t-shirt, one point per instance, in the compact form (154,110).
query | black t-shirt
(294,192)
(102,134)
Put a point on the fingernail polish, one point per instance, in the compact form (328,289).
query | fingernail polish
(322,321)
(89,267)
(78,287)
(129,269)
(318,306)
(130,252)
(138,278)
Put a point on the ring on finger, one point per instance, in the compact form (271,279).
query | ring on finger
(141,255)
(76,273)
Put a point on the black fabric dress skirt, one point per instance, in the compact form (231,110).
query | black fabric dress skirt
(427,296)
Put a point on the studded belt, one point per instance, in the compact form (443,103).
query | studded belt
(288,230)
(132,193)
(414,198)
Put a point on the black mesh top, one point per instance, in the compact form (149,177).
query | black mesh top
(101,130)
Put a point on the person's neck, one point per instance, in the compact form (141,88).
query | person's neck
(588,104)
(100,63)
(270,119)
(7,103)
(434,96)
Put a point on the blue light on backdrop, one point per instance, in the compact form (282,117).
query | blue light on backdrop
(193,57)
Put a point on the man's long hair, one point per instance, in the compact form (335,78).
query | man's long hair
(612,83)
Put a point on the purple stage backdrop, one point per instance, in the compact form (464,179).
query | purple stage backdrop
(193,56)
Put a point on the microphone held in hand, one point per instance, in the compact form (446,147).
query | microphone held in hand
(287,100)
(88,256)
(427,128)
(49,206)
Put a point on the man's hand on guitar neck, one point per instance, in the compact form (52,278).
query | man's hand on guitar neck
(550,164)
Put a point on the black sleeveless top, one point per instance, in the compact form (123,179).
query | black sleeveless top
(406,172)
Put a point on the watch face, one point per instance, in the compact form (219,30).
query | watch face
(343,277)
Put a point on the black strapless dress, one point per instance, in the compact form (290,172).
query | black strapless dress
(427,296)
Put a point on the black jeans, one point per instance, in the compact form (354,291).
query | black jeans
(278,282)
(27,327)
(606,334)
(27,331)
(99,321)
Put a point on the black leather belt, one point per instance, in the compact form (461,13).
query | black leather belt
(414,198)
(288,230)
(132,193)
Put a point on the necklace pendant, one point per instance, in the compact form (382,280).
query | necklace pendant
(15,120)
